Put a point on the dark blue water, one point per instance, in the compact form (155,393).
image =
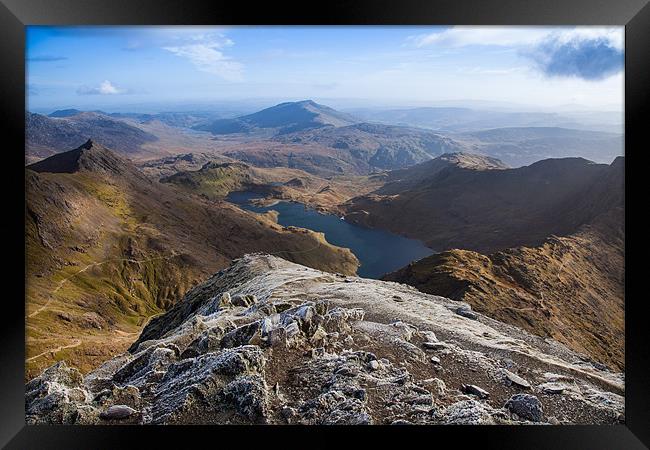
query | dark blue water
(379,252)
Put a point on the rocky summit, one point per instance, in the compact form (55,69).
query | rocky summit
(267,341)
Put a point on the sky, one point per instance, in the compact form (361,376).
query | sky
(122,68)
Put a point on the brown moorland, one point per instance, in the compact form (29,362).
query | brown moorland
(107,248)
(569,288)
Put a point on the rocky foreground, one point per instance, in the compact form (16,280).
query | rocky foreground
(272,342)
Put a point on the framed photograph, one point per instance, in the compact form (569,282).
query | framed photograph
(369,215)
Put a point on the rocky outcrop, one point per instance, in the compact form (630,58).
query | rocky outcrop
(271,342)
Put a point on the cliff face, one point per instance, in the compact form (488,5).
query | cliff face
(269,341)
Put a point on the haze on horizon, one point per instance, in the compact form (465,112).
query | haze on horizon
(121,68)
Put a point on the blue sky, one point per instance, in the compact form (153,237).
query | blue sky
(116,68)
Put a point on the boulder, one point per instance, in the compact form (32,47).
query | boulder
(526,406)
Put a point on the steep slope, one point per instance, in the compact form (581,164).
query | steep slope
(107,248)
(280,119)
(570,288)
(88,157)
(271,342)
(483,210)
(49,135)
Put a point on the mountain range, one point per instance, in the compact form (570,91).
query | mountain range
(478,207)
(523,146)
(107,247)
(312,137)
(46,136)
(539,247)
(124,230)
(454,119)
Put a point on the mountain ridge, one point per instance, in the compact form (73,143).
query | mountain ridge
(482,210)
(45,136)
(267,341)
(108,247)
(90,157)
(570,286)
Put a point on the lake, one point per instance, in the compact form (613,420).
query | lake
(379,252)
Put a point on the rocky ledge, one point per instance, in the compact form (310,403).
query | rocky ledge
(267,341)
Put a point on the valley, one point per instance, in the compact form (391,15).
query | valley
(120,226)
(107,248)
(326,225)
(379,252)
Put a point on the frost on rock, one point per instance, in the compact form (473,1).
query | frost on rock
(271,342)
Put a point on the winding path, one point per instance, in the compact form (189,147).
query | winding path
(56,350)
(65,280)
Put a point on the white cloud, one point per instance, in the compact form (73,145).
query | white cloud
(462,36)
(204,51)
(105,88)
(615,37)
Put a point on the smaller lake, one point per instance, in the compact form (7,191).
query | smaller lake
(379,252)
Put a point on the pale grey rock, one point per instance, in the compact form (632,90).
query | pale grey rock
(512,378)
(465,311)
(249,395)
(475,390)
(301,346)
(437,385)
(429,336)
(552,388)
(401,422)
(468,412)
(117,412)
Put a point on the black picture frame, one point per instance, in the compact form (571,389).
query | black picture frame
(16,14)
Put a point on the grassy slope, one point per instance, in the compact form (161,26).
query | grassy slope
(215,181)
(570,288)
(104,254)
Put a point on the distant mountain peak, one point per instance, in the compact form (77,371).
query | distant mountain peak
(283,118)
(64,113)
(88,157)
(305,102)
